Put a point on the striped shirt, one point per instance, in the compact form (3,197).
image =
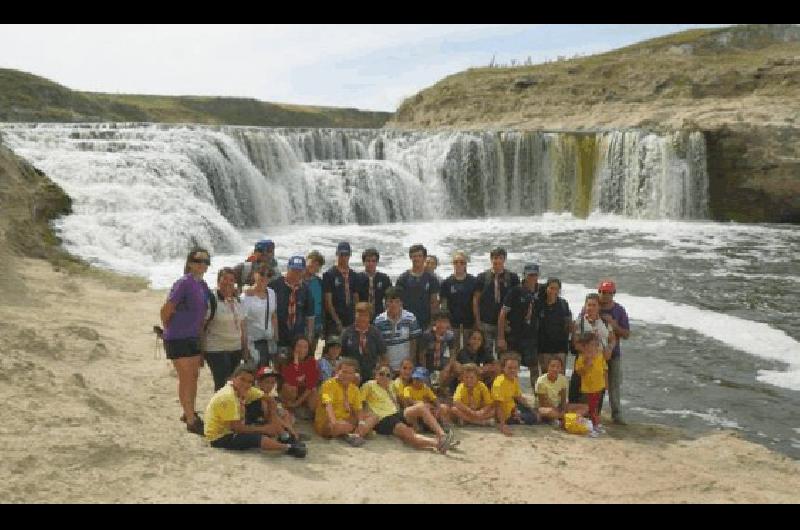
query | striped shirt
(398,335)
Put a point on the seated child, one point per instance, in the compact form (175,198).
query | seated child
(300,377)
(418,391)
(474,351)
(339,409)
(268,412)
(510,407)
(330,353)
(403,380)
(592,368)
(551,391)
(472,402)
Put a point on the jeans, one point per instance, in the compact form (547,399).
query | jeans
(222,365)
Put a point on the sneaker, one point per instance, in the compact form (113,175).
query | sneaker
(600,429)
(286,438)
(297,450)
(355,440)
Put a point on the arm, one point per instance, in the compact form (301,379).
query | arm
(501,329)
(476,308)
(276,332)
(331,311)
(167,310)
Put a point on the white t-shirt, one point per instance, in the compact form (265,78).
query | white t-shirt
(598,327)
(224,332)
(259,324)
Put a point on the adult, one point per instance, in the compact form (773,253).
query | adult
(431,264)
(259,305)
(263,254)
(182,317)
(225,415)
(339,286)
(295,306)
(491,287)
(555,326)
(225,329)
(399,329)
(420,288)
(616,318)
(456,296)
(314,263)
(372,284)
(385,415)
(521,309)
(589,321)
(300,378)
(363,342)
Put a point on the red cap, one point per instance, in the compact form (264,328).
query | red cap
(607,287)
(264,371)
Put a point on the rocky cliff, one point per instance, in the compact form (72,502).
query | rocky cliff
(740,86)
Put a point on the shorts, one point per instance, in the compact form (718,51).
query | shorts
(179,348)
(238,441)
(386,425)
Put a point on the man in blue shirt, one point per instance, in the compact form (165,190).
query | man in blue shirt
(399,329)
(491,287)
(420,288)
(371,284)
(339,287)
(295,305)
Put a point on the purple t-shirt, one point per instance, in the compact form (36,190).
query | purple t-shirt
(191,302)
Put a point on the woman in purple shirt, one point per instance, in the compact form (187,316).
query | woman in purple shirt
(182,316)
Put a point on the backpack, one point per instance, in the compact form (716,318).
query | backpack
(212,303)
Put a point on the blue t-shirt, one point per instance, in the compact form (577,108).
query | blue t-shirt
(333,282)
(489,305)
(457,295)
(315,287)
(416,295)
(304,309)
(518,302)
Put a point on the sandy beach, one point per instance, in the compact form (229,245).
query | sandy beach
(91,415)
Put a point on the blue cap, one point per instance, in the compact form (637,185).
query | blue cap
(343,248)
(297,263)
(531,268)
(420,372)
(264,244)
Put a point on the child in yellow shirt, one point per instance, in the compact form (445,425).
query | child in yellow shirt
(403,380)
(339,411)
(472,401)
(510,407)
(592,368)
(418,391)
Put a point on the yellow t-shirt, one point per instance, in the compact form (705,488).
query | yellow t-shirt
(551,388)
(478,398)
(504,392)
(399,387)
(333,392)
(593,381)
(226,407)
(422,394)
(378,399)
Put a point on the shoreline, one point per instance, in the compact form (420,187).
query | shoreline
(92,416)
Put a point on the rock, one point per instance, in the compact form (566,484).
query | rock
(522,83)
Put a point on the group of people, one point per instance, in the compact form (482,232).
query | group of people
(410,359)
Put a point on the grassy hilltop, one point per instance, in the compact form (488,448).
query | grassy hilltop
(29,98)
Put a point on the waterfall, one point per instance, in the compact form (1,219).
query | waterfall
(155,187)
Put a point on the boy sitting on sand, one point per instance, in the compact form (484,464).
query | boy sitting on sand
(268,412)
(339,411)
(472,401)
(551,391)
(419,392)
(225,427)
(592,368)
(510,407)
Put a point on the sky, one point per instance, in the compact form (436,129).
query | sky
(372,67)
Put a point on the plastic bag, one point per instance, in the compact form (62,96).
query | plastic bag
(575,424)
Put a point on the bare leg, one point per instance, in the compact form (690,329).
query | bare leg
(187,368)
(417,441)
(421,411)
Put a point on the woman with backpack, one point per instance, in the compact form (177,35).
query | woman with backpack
(260,305)
(182,317)
(225,337)
(555,326)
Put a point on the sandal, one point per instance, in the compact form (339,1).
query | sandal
(197,427)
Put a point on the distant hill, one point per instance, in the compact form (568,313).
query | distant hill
(26,97)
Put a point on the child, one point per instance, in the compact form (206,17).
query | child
(419,391)
(339,410)
(268,412)
(510,407)
(475,352)
(300,376)
(551,391)
(592,368)
(403,380)
(330,354)
(472,402)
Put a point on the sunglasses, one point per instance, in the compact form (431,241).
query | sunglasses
(385,374)
(207,261)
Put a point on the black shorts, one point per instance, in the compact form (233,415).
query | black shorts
(179,348)
(238,442)
(386,425)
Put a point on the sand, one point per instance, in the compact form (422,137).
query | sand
(91,415)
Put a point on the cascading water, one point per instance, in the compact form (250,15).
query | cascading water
(158,188)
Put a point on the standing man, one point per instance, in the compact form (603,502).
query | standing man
(399,329)
(521,308)
(456,295)
(491,287)
(616,319)
(339,287)
(420,288)
(263,253)
(371,284)
(295,306)
(314,263)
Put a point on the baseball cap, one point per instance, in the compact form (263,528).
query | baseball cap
(531,268)
(343,248)
(420,372)
(264,244)
(297,263)
(266,371)
(607,287)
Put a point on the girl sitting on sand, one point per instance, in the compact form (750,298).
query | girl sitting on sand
(300,376)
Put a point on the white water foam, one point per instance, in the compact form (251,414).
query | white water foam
(711,416)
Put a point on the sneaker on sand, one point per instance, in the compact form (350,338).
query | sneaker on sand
(355,440)
(297,450)
(600,429)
